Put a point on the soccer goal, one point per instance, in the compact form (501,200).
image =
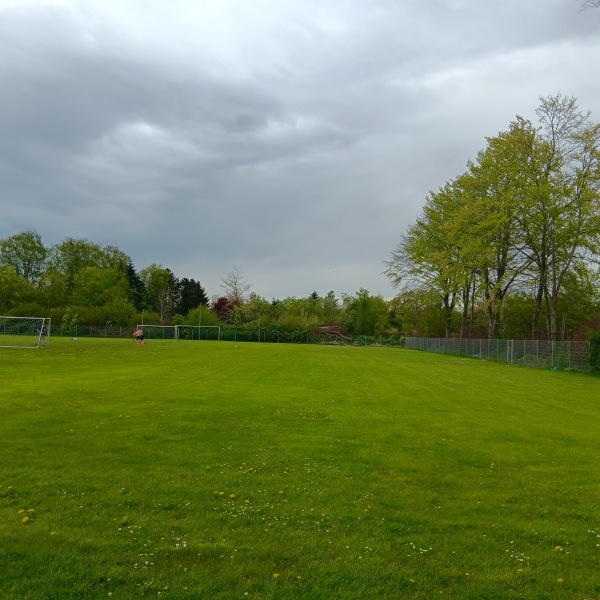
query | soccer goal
(24,332)
(198,332)
(159,332)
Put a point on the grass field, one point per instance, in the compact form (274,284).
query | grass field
(219,470)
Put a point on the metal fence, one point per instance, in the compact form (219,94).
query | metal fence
(528,353)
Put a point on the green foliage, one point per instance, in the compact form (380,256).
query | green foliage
(72,255)
(201,315)
(25,253)
(70,322)
(120,311)
(417,313)
(527,212)
(15,289)
(366,314)
(594,340)
(93,286)
(162,289)
(288,471)
(53,288)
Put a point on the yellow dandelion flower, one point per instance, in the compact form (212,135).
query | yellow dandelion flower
(21,511)
(232,495)
(25,520)
(519,570)
(557,548)
(221,493)
(560,580)
(31,510)
(275,575)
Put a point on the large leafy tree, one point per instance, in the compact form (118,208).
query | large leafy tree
(490,236)
(162,288)
(15,289)
(560,204)
(430,254)
(72,255)
(526,212)
(94,286)
(367,314)
(119,310)
(417,313)
(224,308)
(25,253)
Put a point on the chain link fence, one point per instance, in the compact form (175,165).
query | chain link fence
(528,353)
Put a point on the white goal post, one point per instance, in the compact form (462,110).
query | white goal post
(24,332)
(181,332)
(198,332)
(159,332)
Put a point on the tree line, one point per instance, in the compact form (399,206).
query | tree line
(516,236)
(78,282)
(87,282)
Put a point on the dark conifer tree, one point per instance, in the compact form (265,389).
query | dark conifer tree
(137,289)
(191,295)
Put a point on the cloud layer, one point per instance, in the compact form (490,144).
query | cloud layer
(298,139)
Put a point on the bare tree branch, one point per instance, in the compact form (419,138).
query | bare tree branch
(235,285)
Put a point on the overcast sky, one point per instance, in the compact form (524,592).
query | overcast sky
(297,139)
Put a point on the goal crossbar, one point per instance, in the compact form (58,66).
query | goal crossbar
(181,332)
(198,332)
(159,332)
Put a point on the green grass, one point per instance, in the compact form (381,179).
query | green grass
(222,470)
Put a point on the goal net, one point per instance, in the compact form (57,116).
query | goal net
(159,332)
(198,332)
(24,332)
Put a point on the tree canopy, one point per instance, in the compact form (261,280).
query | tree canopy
(525,216)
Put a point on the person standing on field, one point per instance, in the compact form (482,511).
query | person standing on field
(139,336)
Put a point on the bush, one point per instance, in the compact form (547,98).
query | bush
(594,340)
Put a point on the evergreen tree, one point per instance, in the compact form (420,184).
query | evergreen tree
(191,295)
(138,294)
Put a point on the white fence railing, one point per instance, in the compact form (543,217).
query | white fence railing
(528,353)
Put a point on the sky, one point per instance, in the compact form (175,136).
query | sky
(296,140)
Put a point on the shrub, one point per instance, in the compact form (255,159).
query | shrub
(594,339)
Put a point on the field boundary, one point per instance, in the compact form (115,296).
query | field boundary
(528,353)
(564,355)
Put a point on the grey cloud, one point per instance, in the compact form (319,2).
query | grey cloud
(297,139)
